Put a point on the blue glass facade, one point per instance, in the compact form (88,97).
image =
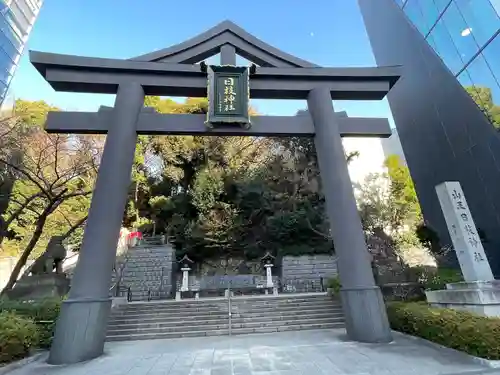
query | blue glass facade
(466,36)
(16,20)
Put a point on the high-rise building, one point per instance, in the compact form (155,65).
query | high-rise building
(466,36)
(16,21)
(392,146)
(446,106)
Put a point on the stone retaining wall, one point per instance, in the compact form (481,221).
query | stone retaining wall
(303,273)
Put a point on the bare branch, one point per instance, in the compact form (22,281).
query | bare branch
(317,231)
(27,175)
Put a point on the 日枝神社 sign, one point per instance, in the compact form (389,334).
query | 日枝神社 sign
(228,95)
(463,232)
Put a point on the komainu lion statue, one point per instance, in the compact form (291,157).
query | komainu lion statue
(52,259)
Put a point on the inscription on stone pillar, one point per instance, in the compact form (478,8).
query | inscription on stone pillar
(463,232)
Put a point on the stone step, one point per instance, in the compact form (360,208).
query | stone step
(118,320)
(242,300)
(224,307)
(150,269)
(208,317)
(142,256)
(151,250)
(284,297)
(278,315)
(144,261)
(222,312)
(310,314)
(170,335)
(205,307)
(131,280)
(234,311)
(145,313)
(291,327)
(160,328)
(143,285)
(217,319)
(214,326)
(143,289)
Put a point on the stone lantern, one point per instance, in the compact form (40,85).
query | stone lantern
(268,261)
(185,263)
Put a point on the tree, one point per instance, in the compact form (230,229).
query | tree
(388,201)
(232,195)
(406,206)
(54,175)
(484,99)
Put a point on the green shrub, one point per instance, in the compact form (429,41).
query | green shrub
(43,312)
(468,332)
(334,283)
(17,336)
(443,276)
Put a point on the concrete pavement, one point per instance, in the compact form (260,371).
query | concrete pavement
(324,352)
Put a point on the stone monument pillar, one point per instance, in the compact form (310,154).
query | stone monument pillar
(479,293)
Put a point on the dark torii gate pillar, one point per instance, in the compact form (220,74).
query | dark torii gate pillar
(362,300)
(81,327)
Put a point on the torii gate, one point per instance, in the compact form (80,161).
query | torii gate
(81,327)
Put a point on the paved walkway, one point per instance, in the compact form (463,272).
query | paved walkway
(289,353)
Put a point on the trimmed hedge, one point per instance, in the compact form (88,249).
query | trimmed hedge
(464,331)
(18,335)
(42,312)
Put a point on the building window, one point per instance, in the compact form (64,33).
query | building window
(14,26)
(6,65)
(414,13)
(9,49)
(432,43)
(11,33)
(479,81)
(25,9)
(482,20)
(22,21)
(492,55)
(445,47)
(3,90)
(430,13)
(441,5)
(496,6)
(460,32)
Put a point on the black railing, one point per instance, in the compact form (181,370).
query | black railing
(229,309)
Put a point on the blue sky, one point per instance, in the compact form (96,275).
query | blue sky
(330,34)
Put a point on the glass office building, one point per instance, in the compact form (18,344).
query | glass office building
(16,21)
(466,36)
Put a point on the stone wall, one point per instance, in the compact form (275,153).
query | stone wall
(148,268)
(303,273)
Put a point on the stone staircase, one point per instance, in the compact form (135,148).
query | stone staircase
(147,270)
(209,317)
